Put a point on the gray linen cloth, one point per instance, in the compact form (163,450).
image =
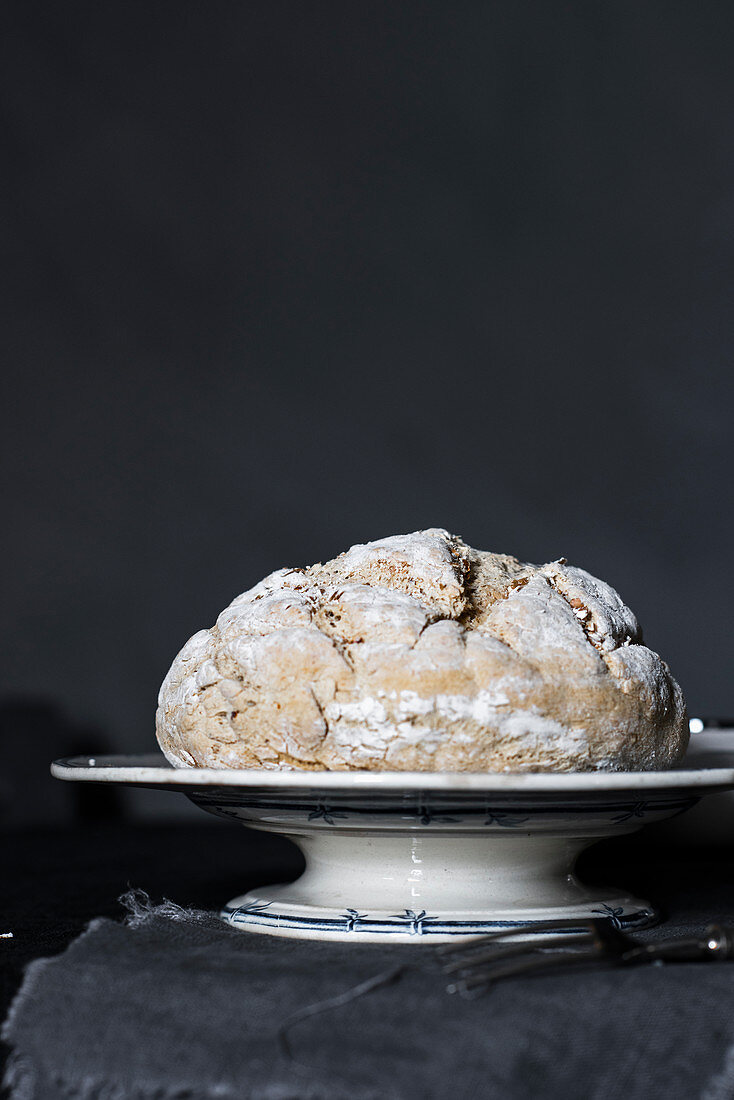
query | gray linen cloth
(172,1004)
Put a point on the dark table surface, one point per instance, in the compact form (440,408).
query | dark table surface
(54,882)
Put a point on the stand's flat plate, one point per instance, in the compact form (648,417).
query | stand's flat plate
(706,768)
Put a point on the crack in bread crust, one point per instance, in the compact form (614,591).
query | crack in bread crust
(417,652)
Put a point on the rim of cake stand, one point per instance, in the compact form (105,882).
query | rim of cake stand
(153,770)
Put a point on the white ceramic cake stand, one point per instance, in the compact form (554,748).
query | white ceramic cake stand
(421,858)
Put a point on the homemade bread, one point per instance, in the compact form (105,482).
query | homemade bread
(418,653)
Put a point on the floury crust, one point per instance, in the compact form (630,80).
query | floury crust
(418,653)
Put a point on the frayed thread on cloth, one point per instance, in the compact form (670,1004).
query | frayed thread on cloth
(384,978)
(141,909)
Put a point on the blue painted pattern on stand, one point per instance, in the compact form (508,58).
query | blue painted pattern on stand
(410,922)
(615,915)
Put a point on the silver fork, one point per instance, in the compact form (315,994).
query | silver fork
(479,963)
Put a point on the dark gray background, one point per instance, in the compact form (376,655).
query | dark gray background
(280,277)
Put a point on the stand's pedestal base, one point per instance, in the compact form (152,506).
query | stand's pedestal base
(430,888)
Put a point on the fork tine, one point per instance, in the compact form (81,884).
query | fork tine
(473,984)
(492,954)
(560,924)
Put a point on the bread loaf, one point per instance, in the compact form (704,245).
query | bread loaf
(418,653)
